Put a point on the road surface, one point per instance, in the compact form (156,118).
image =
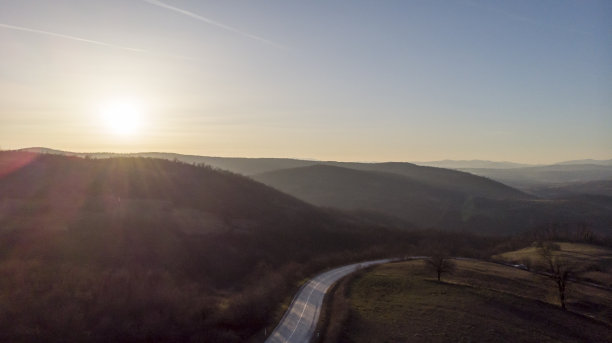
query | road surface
(300,320)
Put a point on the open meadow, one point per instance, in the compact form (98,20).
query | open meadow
(480,302)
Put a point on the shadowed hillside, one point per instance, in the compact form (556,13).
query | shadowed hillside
(137,249)
(447,179)
(462,164)
(603,187)
(245,166)
(426,196)
(356,189)
(452,205)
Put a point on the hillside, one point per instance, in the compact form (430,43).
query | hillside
(602,187)
(461,164)
(480,302)
(446,173)
(351,189)
(447,179)
(451,205)
(436,177)
(240,165)
(425,196)
(139,249)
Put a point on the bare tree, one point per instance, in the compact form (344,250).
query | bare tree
(559,270)
(440,263)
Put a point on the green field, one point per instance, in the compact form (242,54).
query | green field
(481,302)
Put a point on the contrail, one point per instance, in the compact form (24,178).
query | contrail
(91,41)
(78,39)
(211,22)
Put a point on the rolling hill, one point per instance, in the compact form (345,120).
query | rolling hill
(465,202)
(141,249)
(352,189)
(413,200)
(602,187)
(425,196)
(462,164)
(451,180)
(240,165)
(515,175)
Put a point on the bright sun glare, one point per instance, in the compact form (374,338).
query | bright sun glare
(123,117)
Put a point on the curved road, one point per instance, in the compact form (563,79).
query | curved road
(300,320)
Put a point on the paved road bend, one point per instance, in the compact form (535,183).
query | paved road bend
(300,320)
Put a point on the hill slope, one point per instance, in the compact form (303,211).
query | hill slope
(452,205)
(480,302)
(436,177)
(603,187)
(240,165)
(345,188)
(137,249)
(451,180)
(461,164)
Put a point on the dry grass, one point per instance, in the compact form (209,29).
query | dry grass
(481,302)
(594,262)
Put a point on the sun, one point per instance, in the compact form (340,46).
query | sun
(122,116)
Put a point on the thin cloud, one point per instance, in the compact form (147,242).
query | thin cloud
(74,38)
(91,41)
(211,22)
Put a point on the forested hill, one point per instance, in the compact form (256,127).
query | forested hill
(447,179)
(443,199)
(140,249)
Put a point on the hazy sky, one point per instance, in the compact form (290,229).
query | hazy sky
(527,81)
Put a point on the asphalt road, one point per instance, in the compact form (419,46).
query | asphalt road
(300,321)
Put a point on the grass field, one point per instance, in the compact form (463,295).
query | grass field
(481,302)
(594,262)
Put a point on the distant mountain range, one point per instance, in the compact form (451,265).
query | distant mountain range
(539,179)
(588,161)
(530,178)
(482,164)
(527,178)
(460,164)
(560,190)
(260,165)
(480,200)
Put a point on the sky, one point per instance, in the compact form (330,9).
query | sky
(524,81)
